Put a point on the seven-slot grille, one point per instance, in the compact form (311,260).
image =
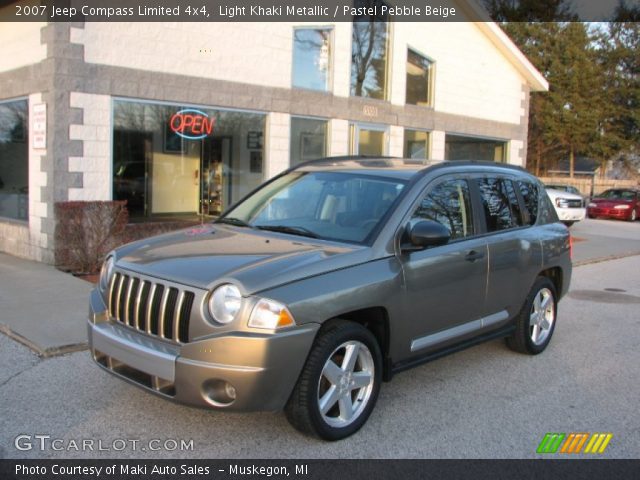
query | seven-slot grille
(150,307)
(574,203)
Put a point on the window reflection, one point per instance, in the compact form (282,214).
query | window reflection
(458,147)
(448,204)
(14,160)
(369,53)
(311,58)
(308,139)
(499,202)
(162,174)
(418,79)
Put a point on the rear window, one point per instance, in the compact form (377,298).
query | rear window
(529,192)
(500,203)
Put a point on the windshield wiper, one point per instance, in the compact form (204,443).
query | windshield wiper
(234,221)
(303,232)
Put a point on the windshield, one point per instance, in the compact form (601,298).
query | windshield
(617,194)
(328,205)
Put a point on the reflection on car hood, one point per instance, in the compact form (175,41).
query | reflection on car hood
(605,202)
(553,194)
(257,260)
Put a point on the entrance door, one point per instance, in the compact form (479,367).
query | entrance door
(217,176)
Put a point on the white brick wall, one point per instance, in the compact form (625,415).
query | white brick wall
(338,137)
(437,145)
(396,141)
(514,152)
(95,163)
(20,44)
(277,143)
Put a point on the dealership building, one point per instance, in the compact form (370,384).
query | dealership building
(183,119)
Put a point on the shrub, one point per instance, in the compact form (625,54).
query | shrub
(86,231)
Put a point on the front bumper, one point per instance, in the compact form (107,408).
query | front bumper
(609,212)
(571,214)
(261,368)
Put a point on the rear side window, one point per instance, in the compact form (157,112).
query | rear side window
(500,203)
(448,203)
(529,193)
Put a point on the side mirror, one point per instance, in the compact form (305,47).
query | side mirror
(427,233)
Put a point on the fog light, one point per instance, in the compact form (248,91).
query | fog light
(230,390)
(218,393)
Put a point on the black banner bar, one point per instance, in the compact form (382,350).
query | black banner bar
(286,10)
(319,469)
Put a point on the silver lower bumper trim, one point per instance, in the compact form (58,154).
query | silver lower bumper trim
(152,357)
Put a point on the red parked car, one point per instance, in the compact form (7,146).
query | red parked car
(622,203)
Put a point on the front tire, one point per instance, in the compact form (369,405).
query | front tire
(537,319)
(633,216)
(339,384)
(568,224)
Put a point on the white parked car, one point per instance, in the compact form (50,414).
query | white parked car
(570,207)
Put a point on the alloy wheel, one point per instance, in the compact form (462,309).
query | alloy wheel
(542,316)
(346,384)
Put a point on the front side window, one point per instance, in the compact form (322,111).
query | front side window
(369,45)
(501,209)
(449,204)
(328,205)
(312,58)
(418,79)
(14,160)
(308,139)
(416,144)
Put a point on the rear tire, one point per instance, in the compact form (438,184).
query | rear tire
(537,319)
(339,384)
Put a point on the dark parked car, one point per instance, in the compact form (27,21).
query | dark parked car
(328,280)
(621,203)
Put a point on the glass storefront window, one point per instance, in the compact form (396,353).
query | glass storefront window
(418,79)
(416,144)
(14,159)
(311,58)
(369,45)
(173,161)
(458,147)
(368,140)
(308,139)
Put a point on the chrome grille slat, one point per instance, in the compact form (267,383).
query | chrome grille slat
(136,315)
(127,302)
(176,317)
(163,309)
(153,308)
(119,296)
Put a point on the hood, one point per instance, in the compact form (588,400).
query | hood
(553,194)
(611,202)
(256,260)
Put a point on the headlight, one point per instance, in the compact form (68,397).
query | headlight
(562,202)
(106,271)
(622,207)
(225,303)
(592,205)
(271,315)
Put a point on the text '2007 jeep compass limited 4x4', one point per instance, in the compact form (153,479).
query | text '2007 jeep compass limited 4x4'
(330,278)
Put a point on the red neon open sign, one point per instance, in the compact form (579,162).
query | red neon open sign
(191,124)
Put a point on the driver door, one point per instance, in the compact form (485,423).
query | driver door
(445,285)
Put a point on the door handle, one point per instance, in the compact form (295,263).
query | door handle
(473,255)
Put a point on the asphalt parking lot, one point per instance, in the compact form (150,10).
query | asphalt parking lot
(485,402)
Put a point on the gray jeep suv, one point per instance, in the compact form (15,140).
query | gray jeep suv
(329,279)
